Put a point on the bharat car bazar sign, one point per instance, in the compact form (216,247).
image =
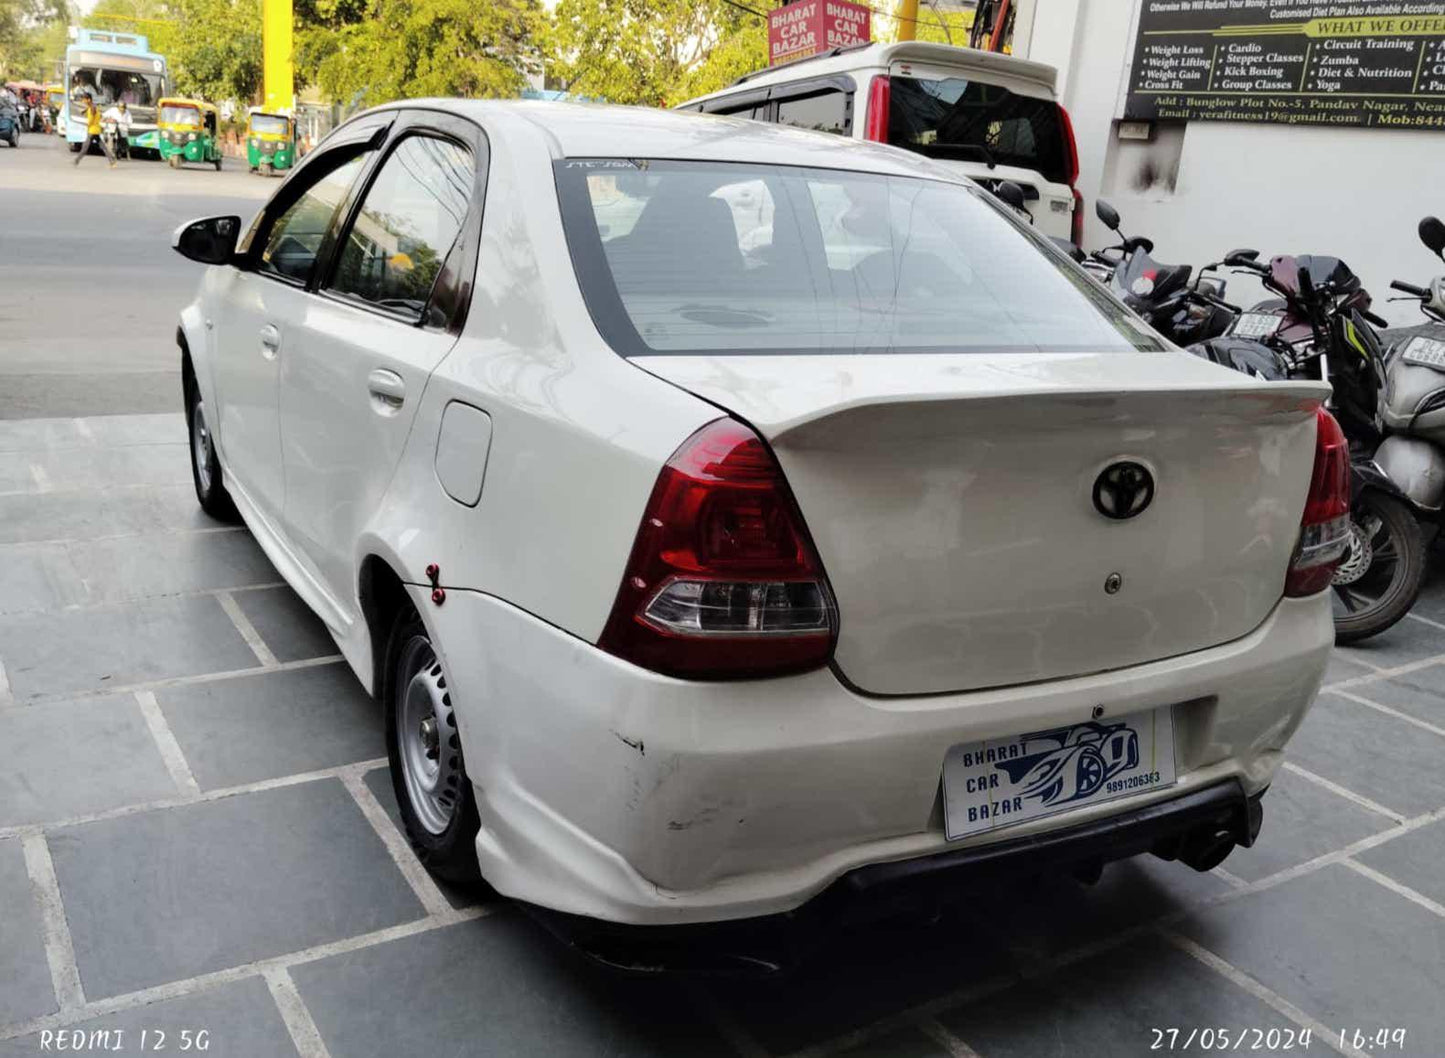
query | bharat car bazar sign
(798,30)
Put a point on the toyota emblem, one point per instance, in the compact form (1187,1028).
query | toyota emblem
(1123,490)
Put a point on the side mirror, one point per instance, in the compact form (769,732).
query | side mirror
(1010,193)
(211,240)
(1236,258)
(1106,213)
(1432,234)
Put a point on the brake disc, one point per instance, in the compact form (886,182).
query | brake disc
(1359,557)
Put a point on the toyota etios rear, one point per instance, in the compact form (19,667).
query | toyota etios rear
(725,514)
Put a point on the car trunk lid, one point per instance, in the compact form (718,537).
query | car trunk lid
(951,498)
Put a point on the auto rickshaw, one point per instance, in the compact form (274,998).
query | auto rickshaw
(270,141)
(187,132)
(55,105)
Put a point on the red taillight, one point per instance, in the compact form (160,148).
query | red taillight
(723,581)
(1325,526)
(1071,148)
(880,95)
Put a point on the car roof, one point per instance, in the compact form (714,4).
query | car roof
(880,56)
(599,130)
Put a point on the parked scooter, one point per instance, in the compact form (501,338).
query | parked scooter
(1180,310)
(1320,326)
(1413,409)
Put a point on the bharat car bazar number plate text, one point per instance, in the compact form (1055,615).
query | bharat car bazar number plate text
(1003,781)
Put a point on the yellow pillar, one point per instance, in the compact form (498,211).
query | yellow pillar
(278,82)
(907,18)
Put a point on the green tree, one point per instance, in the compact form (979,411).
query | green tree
(32,36)
(213,46)
(408,48)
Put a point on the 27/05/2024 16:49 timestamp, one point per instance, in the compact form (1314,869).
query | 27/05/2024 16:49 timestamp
(1272,1040)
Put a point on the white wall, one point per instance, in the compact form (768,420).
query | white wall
(1353,193)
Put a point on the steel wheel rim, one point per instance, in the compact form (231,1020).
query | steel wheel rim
(426,737)
(201,446)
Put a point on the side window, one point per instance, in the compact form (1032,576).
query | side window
(411,216)
(295,239)
(825,112)
(755,111)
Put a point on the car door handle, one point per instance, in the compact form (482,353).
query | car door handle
(388,391)
(270,341)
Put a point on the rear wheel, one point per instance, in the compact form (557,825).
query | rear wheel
(211,491)
(423,744)
(1383,569)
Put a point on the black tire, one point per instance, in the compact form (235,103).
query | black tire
(445,846)
(1367,601)
(218,165)
(211,491)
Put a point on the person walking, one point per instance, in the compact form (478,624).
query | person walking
(92,133)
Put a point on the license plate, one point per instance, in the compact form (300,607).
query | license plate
(1256,325)
(1003,781)
(1427,352)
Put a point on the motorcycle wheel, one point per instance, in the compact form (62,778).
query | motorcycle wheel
(1382,571)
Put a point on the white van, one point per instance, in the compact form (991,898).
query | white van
(991,116)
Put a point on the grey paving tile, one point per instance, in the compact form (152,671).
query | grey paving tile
(1302,820)
(15,473)
(1404,642)
(38,577)
(1390,761)
(1421,693)
(25,989)
(87,515)
(864,975)
(378,781)
(136,567)
(1109,1006)
(65,759)
(287,625)
(273,724)
(164,428)
(497,986)
(110,467)
(159,896)
(21,435)
(238,1020)
(904,1043)
(86,650)
(1416,858)
(1341,948)
(1050,916)
(1344,667)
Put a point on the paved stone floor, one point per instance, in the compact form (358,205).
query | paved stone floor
(197,836)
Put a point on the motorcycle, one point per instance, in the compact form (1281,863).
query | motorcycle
(1412,453)
(1320,326)
(1182,311)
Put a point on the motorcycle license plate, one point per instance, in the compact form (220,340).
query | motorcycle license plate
(1004,781)
(1427,352)
(1255,325)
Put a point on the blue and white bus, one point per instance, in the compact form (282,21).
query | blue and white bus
(111,67)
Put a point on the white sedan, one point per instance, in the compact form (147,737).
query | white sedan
(724,513)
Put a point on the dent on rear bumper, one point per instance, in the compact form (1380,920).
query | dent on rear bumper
(609,791)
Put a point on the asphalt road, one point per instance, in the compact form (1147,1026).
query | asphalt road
(89,286)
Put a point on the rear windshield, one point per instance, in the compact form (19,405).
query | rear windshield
(716,258)
(964,120)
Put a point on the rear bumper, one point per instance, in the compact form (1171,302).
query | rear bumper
(1221,813)
(617,794)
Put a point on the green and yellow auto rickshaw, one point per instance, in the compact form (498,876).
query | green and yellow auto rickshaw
(270,141)
(187,132)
